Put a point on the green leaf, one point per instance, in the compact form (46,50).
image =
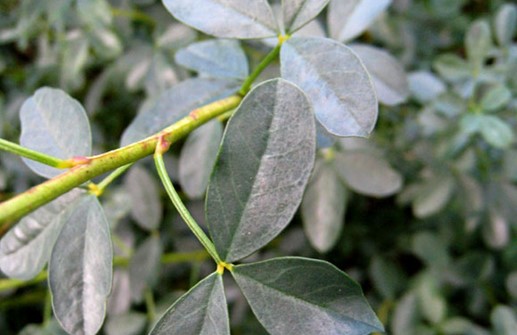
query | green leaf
(425,86)
(506,24)
(323,207)
(433,196)
(297,13)
(304,296)
(146,205)
(388,75)
(432,304)
(336,82)
(26,248)
(496,132)
(226,18)
(387,277)
(406,316)
(201,311)
(496,231)
(106,43)
(478,43)
(94,13)
(126,324)
(348,19)
(55,124)
(198,157)
(368,174)
(452,67)
(263,166)
(504,320)
(80,269)
(144,267)
(176,103)
(216,58)
(430,249)
(496,98)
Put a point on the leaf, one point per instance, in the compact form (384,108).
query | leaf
(226,18)
(388,75)
(106,43)
(496,132)
(452,67)
(144,267)
(215,58)
(175,103)
(80,269)
(432,304)
(406,316)
(55,124)
(336,82)
(506,24)
(146,205)
(26,248)
(348,19)
(201,311)
(263,166)
(433,196)
(504,320)
(198,157)
(478,43)
(496,231)
(387,277)
(303,296)
(126,324)
(425,86)
(94,13)
(430,249)
(297,13)
(323,207)
(368,174)
(496,98)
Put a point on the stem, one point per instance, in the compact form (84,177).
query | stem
(150,305)
(47,311)
(98,189)
(33,155)
(246,86)
(183,211)
(39,195)
(134,15)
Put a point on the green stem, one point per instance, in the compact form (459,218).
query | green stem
(183,211)
(134,15)
(101,187)
(33,155)
(246,86)
(47,311)
(150,305)
(39,195)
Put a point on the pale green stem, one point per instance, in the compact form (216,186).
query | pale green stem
(246,86)
(33,155)
(98,189)
(150,305)
(182,210)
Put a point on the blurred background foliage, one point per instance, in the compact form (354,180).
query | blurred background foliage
(423,214)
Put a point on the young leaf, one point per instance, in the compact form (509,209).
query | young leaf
(198,157)
(80,269)
(506,24)
(55,124)
(495,98)
(26,248)
(304,296)
(263,166)
(348,19)
(215,58)
(226,18)
(336,82)
(368,174)
(144,267)
(387,73)
(297,13)
(175,103)
(323,207)
(496,132)
(452,67)
(146,206)
(478,43)
(201,311)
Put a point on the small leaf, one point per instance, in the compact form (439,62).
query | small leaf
(105,42)
(144,267)
(297,13)
(94,13)
(406,316)
(506,24)
(263,166)
(304,296)
(201,311)
(433,196)
(26,248)
(387,277)
(368,174)
(55,124)
(348,19)
(452,67)
(496,132)
(425,86)
(126,324)
(198,157)
(323,207)
(504,320)
(388,75)
(478,43)
(80,269)
(226,18)
(146,205)
(336,82)
(432,304)
(430,249)
(216,58)
(496,98)
(496,232)
(175,103)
